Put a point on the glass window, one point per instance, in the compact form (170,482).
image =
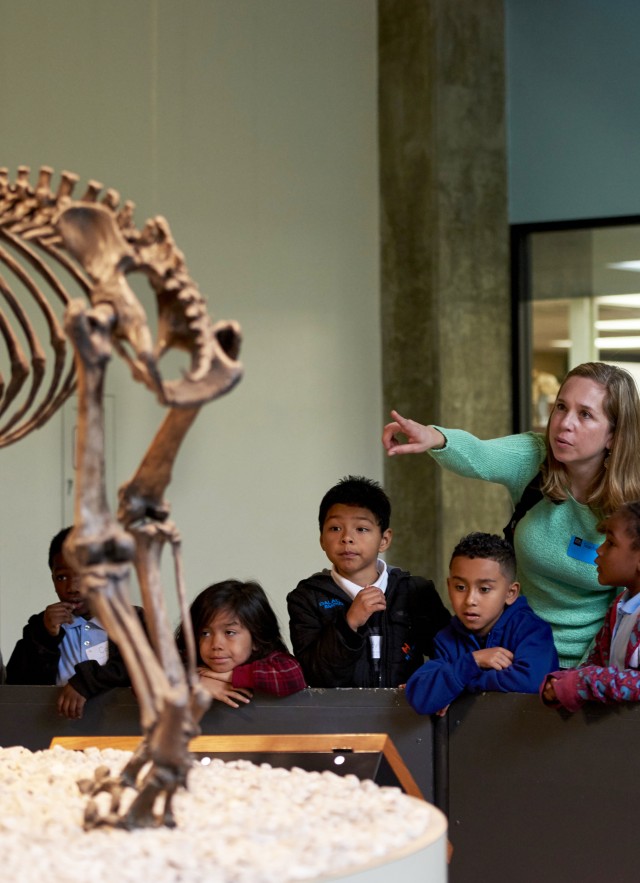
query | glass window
(577,297)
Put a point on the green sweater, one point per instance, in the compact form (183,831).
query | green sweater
(560,589)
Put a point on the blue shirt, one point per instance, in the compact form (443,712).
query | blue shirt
(84,639)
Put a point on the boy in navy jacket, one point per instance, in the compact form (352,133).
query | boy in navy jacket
(494,642)
(362,623)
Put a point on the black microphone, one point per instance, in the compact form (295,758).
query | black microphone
(375,643)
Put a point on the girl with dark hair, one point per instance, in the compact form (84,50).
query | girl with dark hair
(585,466)
(610,673)
(239,647)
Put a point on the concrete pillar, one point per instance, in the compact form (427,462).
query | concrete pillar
(446,315)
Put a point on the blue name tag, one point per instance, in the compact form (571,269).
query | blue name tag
(582,550)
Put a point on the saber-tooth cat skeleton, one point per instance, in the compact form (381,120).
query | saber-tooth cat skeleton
(50,243)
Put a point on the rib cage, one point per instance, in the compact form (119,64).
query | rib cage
(38,259)
(32,390)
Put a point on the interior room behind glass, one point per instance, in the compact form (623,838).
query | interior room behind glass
(584,290)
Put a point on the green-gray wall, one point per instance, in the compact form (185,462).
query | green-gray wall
(251,126)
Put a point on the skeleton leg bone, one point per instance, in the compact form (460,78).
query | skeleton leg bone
(97,245)
(99,547)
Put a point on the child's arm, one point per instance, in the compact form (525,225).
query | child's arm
(36,655)
(368,601)
(278,673)
(219,686)
(71,703)
(455,669)
(596,680)
(593,683)
(548,689)
(496,658)
(442,679)
(325,645)
(56,615)
(433,687)
(534,655)
(563,687)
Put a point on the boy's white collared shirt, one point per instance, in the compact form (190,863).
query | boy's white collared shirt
(352,589)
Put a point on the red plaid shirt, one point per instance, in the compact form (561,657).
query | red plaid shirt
(278,673)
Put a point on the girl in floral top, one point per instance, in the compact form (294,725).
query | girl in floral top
(610,673)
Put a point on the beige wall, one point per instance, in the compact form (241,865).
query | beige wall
(250,124)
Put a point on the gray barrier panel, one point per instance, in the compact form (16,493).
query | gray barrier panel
(541,796)
(28,717)
(533,795)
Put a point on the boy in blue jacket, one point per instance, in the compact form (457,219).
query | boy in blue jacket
(494,642)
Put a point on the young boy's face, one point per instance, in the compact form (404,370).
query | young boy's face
(618,563)
(67,585)
(479,592)
(352,540)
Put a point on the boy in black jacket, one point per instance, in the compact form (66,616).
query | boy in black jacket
(362,623)
(66,645)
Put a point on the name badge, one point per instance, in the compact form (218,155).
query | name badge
(99,652)
(582,550)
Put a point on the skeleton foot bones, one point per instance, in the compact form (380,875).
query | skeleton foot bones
(97,246)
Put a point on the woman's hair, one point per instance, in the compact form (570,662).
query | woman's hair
(619,478)
(249,603)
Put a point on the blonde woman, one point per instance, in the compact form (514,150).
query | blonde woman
(588,464)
